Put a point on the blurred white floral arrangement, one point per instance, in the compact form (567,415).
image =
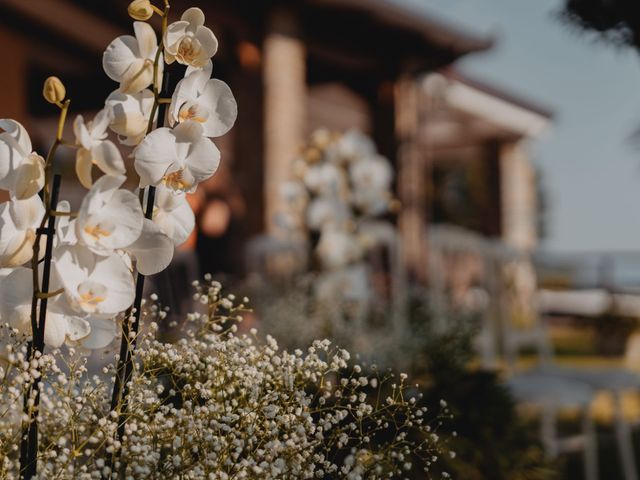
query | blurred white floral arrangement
(340,182)
(339,205)
(213,405)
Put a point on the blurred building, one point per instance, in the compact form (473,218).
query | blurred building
(479,203)
(293,66)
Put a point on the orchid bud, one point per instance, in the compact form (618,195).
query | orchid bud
(53,91)
(140,10)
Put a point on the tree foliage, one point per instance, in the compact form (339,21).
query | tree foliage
(616,21)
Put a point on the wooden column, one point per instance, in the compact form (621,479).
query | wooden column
(517,197)
(413,188)
(285,105)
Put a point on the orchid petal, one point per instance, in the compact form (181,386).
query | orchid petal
(18,133)
(100,123)
(77,328)
(101,192)
(203,159)
(10,158)
(15,298)
(18,220)
(107,158)
(102,333)
(209,44)
(109,218)
(27,213)
(119,56)
(55,330)
(137,77)
(84,165)
(72,265)
(153,251)
(154,156)
(174,215)
(130,115)
(187,89)
(29,177)
(121,288)
(121,220)
(206,69)
(194,17)
(218,98)
(146,38)
(83,137)
(175,32)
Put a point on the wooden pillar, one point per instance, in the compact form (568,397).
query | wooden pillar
(13,81)
(412,178)
(518,212)
(285,105)
(248,133)
(517,197)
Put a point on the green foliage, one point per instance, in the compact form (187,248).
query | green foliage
(490,440)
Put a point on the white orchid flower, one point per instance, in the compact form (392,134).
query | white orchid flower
(179,158)
(208,101)
(354,145)
(16,291)
(326,211)
(129,60)
(99,286)
(109,218)
(173,214)
(371,178)
(21,169)
(325,179)
(95,148)
(371,172)
(19,220)
(153,251)
(130,115)
(337,249)
(188,41)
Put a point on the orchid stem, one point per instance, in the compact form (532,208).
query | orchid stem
(35,348)
(131,322)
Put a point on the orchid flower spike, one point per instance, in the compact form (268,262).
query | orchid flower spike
(95,148)
(21,169)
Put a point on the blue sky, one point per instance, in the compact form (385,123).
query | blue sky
(591,168)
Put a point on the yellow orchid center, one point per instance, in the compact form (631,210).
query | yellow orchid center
(176,181)
(90,298)
(191,111)
(91,294)
(96,231)
(188,50)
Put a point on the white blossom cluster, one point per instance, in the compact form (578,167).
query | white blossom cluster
(97,249)
(221,405)
(341,181)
